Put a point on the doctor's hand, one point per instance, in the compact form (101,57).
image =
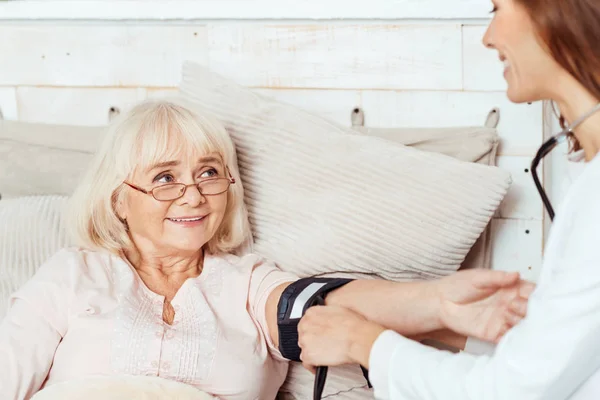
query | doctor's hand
(482,303)
(334,335)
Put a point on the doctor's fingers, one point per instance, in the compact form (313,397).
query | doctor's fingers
(501,332)
(518,306)
(526,288)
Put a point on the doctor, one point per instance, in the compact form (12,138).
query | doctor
(551,51)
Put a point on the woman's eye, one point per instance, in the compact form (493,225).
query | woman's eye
(165,178)
(209,173)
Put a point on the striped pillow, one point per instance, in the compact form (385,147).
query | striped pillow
(322,199)
(31,230)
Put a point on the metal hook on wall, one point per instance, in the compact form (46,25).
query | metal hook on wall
(113,112)
(493,118)
(357,117)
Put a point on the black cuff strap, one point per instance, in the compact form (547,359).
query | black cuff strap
(293,303)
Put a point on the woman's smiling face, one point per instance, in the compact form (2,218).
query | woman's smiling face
(185,224)
(529,69)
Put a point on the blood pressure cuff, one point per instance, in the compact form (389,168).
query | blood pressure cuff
(293,303)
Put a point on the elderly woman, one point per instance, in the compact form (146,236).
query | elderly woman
(155,288)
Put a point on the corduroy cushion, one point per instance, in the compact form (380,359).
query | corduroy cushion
(31,230)
(324,199)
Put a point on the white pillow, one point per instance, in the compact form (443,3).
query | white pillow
(31,230)
(323,199)
(121,388)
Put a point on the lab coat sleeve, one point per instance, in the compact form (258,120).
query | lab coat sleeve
(548,355)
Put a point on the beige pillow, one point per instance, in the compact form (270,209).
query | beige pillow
(31,230)
(44,159)
(323,199)
(473,144)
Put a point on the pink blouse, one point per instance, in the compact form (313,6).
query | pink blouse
(88,313)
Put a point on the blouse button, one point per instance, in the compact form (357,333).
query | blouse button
(159,334)
(169,336)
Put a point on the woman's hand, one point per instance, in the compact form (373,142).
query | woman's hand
(333,335)
(482,303)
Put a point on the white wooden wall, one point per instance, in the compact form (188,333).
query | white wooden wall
(405,62)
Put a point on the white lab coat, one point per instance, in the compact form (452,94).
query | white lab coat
(552,354)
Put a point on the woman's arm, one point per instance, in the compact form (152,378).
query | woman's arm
(27,346)
(408,307)
(479,303)
(411,308)
(33,327)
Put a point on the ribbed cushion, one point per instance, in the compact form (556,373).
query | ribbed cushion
(473,144)
(322,199)
(31,230)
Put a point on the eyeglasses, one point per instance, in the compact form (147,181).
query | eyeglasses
(174,191)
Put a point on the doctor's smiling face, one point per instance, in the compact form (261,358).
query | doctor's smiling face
(529,69)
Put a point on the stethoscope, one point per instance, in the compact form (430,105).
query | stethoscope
(547,147)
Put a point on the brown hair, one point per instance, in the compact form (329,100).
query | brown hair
(571,31)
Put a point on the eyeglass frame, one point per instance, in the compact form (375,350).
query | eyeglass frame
(231,181)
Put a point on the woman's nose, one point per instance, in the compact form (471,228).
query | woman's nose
(193,196)
(487,38)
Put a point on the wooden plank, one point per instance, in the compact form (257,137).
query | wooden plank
(242,9)
(74,106)
(161,92)
(8,103)
(522,200)
(98,55)
(335,105)
(482,67)
(342,56)
(517,246)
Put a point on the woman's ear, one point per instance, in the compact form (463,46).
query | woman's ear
(119,204)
